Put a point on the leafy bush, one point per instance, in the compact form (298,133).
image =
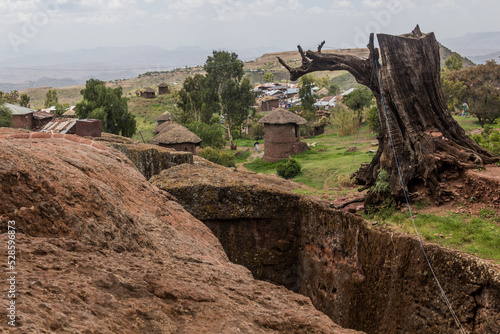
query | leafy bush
(372,119)
(257,131)
(382,183)
(216,156)
(5,115)
(212,135)
(345,121)
(288,169)
(489,139)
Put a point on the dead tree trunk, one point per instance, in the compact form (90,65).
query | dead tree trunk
(430,146)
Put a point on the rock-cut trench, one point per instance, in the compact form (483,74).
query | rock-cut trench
(363,277)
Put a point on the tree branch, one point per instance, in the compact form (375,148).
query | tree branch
(313,61)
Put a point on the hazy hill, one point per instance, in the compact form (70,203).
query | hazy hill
(255,69)
(478,47)
(104,63)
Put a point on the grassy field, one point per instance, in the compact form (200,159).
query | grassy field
(327,165)
(477,235)
(146,110)
(326,169)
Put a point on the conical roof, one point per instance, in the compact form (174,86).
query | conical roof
(175,134)
(164,117)
(162,127)
(282,116)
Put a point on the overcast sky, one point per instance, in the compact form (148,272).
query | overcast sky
(63,25)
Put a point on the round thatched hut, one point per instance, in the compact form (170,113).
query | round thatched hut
(176,136)
(165,117)
(282,135)
(163,89)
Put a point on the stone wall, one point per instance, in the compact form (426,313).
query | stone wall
(281,141)
(152,159)
(365,277)
(22,121)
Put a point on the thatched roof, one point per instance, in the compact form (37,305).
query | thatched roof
(148,90)
(163,85)
(282,116)
(269,98)
(175,134)
(322,91)
(163,127)
(164,117)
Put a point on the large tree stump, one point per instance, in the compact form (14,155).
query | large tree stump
(430,146)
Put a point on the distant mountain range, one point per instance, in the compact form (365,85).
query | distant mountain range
(43,68)
(104,63)
(478,47)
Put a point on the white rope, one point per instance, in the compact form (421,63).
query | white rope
(443,294)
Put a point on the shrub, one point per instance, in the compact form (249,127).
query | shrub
(288,169)
(212,135)
(372,119)
(489,139)
(345,121)
(257,131)
(5,115)
(216,156)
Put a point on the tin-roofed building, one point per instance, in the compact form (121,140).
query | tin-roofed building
(60,125)
(21,117)
(282,135)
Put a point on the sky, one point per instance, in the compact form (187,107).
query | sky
(64,25)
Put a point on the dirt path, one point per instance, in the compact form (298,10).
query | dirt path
(253,155)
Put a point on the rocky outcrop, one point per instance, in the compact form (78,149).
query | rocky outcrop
(363,276)
(152,159)
(101,250)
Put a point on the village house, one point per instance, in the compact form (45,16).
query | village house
(163,88)
(60,125)
(70,113)
(176,136)
(148,93)
(21,117)
(40,118)
(282,135)
(165,117)
(268,103)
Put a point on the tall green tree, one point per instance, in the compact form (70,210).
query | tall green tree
(11,97)
(268,77)
(190,100)
(5,115)
(454,62)
(225,92)
(307,97)
(24,100)
(477,86)
(236,99)
(108,105)
(333,88)
(360,98)
(51,98)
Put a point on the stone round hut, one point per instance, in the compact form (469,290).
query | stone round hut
(282,135)
(176,136)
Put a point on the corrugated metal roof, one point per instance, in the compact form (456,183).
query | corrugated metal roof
(59,125)
(18,110)
(43,115)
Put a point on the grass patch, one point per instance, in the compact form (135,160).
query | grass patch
(473,235)
(242,157)
(329,160)
(246,142)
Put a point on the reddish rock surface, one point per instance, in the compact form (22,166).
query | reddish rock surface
(101,250)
